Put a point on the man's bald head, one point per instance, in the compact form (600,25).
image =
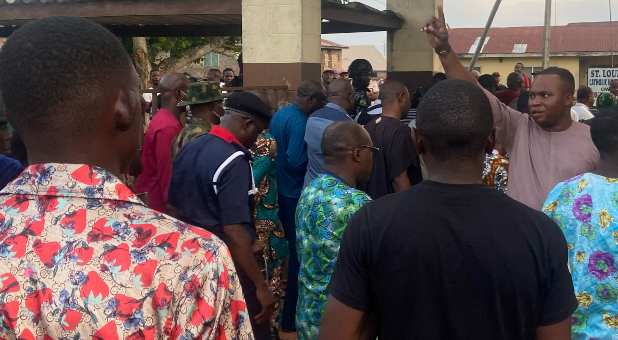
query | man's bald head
(172,82)
(395,99)
(340,137)
(390,90)
(340,92)
(339,87)
(347,150)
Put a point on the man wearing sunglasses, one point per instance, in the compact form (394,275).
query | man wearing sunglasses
(340,104)
(212,186)
(324,209)
(156,155)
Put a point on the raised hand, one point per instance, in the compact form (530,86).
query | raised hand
(437,32)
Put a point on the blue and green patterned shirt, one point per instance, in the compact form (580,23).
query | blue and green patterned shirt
(322,215)
(586,209)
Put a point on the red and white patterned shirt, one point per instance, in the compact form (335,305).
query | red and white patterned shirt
(82,257)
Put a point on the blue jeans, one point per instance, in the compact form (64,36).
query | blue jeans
(287,212)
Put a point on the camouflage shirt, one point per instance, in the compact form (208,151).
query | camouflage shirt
(196,128)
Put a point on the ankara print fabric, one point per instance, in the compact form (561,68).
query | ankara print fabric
(322,214)
(81,257)
(586,209)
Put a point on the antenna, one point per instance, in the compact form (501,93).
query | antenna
(611,32)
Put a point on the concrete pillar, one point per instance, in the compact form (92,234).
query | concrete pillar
(281,42)
(410,58)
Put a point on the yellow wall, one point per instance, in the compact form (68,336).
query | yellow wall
(506,65)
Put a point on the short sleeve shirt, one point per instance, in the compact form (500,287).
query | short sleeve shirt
(210,201)
(81,257)
(397,155)
(462,262)
(540,159)
(586,209)
(323,211)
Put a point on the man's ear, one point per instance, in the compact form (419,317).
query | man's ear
(123,117)
(356,155)
(419,141)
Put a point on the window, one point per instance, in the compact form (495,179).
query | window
(472,49)
(211,60)
(520,48)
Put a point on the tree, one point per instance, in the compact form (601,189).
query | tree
(173,53)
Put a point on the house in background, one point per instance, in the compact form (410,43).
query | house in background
(332,56)
(369,52)
(576,47)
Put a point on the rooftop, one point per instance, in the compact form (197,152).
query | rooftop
(369,52)
(183,17)
(578,38)
(332,45)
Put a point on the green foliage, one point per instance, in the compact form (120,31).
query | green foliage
(177,47)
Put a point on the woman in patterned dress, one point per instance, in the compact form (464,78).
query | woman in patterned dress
(270,246)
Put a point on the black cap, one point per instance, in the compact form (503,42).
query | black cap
(249,103)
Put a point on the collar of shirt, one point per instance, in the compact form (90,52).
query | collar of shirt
(225,134)
(582,105)
(336,107)
(70,180)
(330,174)
(163,118)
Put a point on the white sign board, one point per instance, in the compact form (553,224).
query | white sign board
(599,78)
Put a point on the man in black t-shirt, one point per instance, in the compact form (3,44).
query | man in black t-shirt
(450,258)
(397,167)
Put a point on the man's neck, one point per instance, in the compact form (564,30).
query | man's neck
(171,108)
(339,171)
(564,125)
(467,172)
(74,155)
(608,167)
(337,102)
(391,111)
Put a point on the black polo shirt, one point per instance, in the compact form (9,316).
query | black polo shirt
(212,184)
(454,262)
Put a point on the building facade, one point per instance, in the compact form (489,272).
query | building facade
(332,56)
(578,47)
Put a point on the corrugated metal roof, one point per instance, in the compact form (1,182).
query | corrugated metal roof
(592,37)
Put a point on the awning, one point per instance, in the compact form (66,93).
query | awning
(183,17)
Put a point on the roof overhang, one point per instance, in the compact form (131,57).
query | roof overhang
(184,17)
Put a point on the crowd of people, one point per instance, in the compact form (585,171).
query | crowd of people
(207,213)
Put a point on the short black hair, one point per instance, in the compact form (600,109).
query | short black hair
(390,90)
(56,71)
(603,131)
(339,137)
(328,71)
(583,93)
(488,81)
(456,118)
(228,69)
(311,89)
(565,76)
(514,81)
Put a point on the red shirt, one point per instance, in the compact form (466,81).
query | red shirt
(508,96)
(157,159)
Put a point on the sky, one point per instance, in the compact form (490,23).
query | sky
(474,13)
